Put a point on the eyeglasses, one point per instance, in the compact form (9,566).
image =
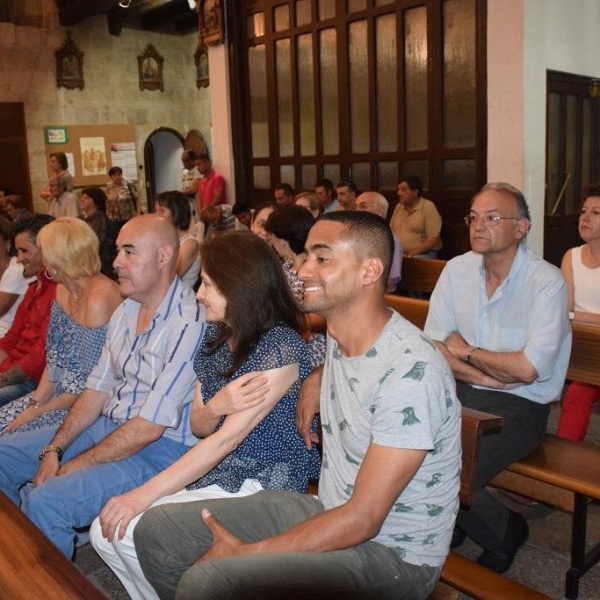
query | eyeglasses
(488,220)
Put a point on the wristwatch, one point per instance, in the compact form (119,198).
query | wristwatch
(47,449)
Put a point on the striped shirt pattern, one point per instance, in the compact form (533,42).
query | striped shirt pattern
(151,374)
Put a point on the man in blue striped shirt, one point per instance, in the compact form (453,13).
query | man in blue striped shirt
(132,421)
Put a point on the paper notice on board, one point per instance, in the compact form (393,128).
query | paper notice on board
(123,155)
(93,156)
(71,163)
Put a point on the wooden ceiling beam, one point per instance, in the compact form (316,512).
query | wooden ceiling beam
(150,15)
(71,12)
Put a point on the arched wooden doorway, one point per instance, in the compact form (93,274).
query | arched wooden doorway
(162,161)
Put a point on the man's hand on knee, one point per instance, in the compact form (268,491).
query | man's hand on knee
(224,543)
(48,468)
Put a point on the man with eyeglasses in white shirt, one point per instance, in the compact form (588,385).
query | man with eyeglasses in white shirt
(499,315)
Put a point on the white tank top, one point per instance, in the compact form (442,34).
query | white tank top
(587,284)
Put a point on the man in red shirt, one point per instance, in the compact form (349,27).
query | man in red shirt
(23,348)
(211,188)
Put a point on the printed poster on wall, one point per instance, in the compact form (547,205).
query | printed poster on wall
(93,156)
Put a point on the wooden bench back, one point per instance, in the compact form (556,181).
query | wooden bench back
(474,425)
(420,274)
(584,364)
(412,309)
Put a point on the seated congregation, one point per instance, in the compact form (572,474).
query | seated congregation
(184,431)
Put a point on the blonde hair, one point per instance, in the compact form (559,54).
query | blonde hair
(71,247)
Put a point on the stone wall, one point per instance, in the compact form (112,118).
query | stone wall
(111,94)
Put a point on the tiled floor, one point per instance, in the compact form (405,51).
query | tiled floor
(540,564)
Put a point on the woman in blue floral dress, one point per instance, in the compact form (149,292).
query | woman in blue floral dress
(250,366)
(85,301)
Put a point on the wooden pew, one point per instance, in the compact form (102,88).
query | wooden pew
(412,309)
(563,473)
(32,567)
(585,354)
(420,274)
(460,573)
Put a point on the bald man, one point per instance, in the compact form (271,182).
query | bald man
(132,420)
(375,203)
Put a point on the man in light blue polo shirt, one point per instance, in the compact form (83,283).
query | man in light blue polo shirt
(499,315)
(132,420)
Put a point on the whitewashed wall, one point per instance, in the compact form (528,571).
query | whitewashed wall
(111,94)
(525,39)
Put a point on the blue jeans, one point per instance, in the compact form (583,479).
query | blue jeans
(74,500)
(16,390)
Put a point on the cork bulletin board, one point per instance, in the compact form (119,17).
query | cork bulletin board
(92,150)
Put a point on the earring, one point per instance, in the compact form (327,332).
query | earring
(51,272)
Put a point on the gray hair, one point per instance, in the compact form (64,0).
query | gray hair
(511,190)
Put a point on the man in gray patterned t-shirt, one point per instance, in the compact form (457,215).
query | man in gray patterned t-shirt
(388,494)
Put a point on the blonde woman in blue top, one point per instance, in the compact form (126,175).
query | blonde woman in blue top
(85,301)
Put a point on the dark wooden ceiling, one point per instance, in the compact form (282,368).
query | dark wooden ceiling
(164,16)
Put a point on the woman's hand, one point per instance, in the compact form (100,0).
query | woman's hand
(245,392)
(242,393)
(29,414)
(119,510)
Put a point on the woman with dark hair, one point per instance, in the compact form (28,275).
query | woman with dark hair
(250,367)
(85,300)
(261,214)
(581,269)
(288,227)
(174,207)
(60,169)
(92,202)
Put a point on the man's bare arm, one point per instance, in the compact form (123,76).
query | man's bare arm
(126,440)
(308,406)
(84,412)
(463,371)
(506,367)
(86,409)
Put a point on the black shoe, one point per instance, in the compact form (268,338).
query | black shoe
(458,537)
(500,559)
